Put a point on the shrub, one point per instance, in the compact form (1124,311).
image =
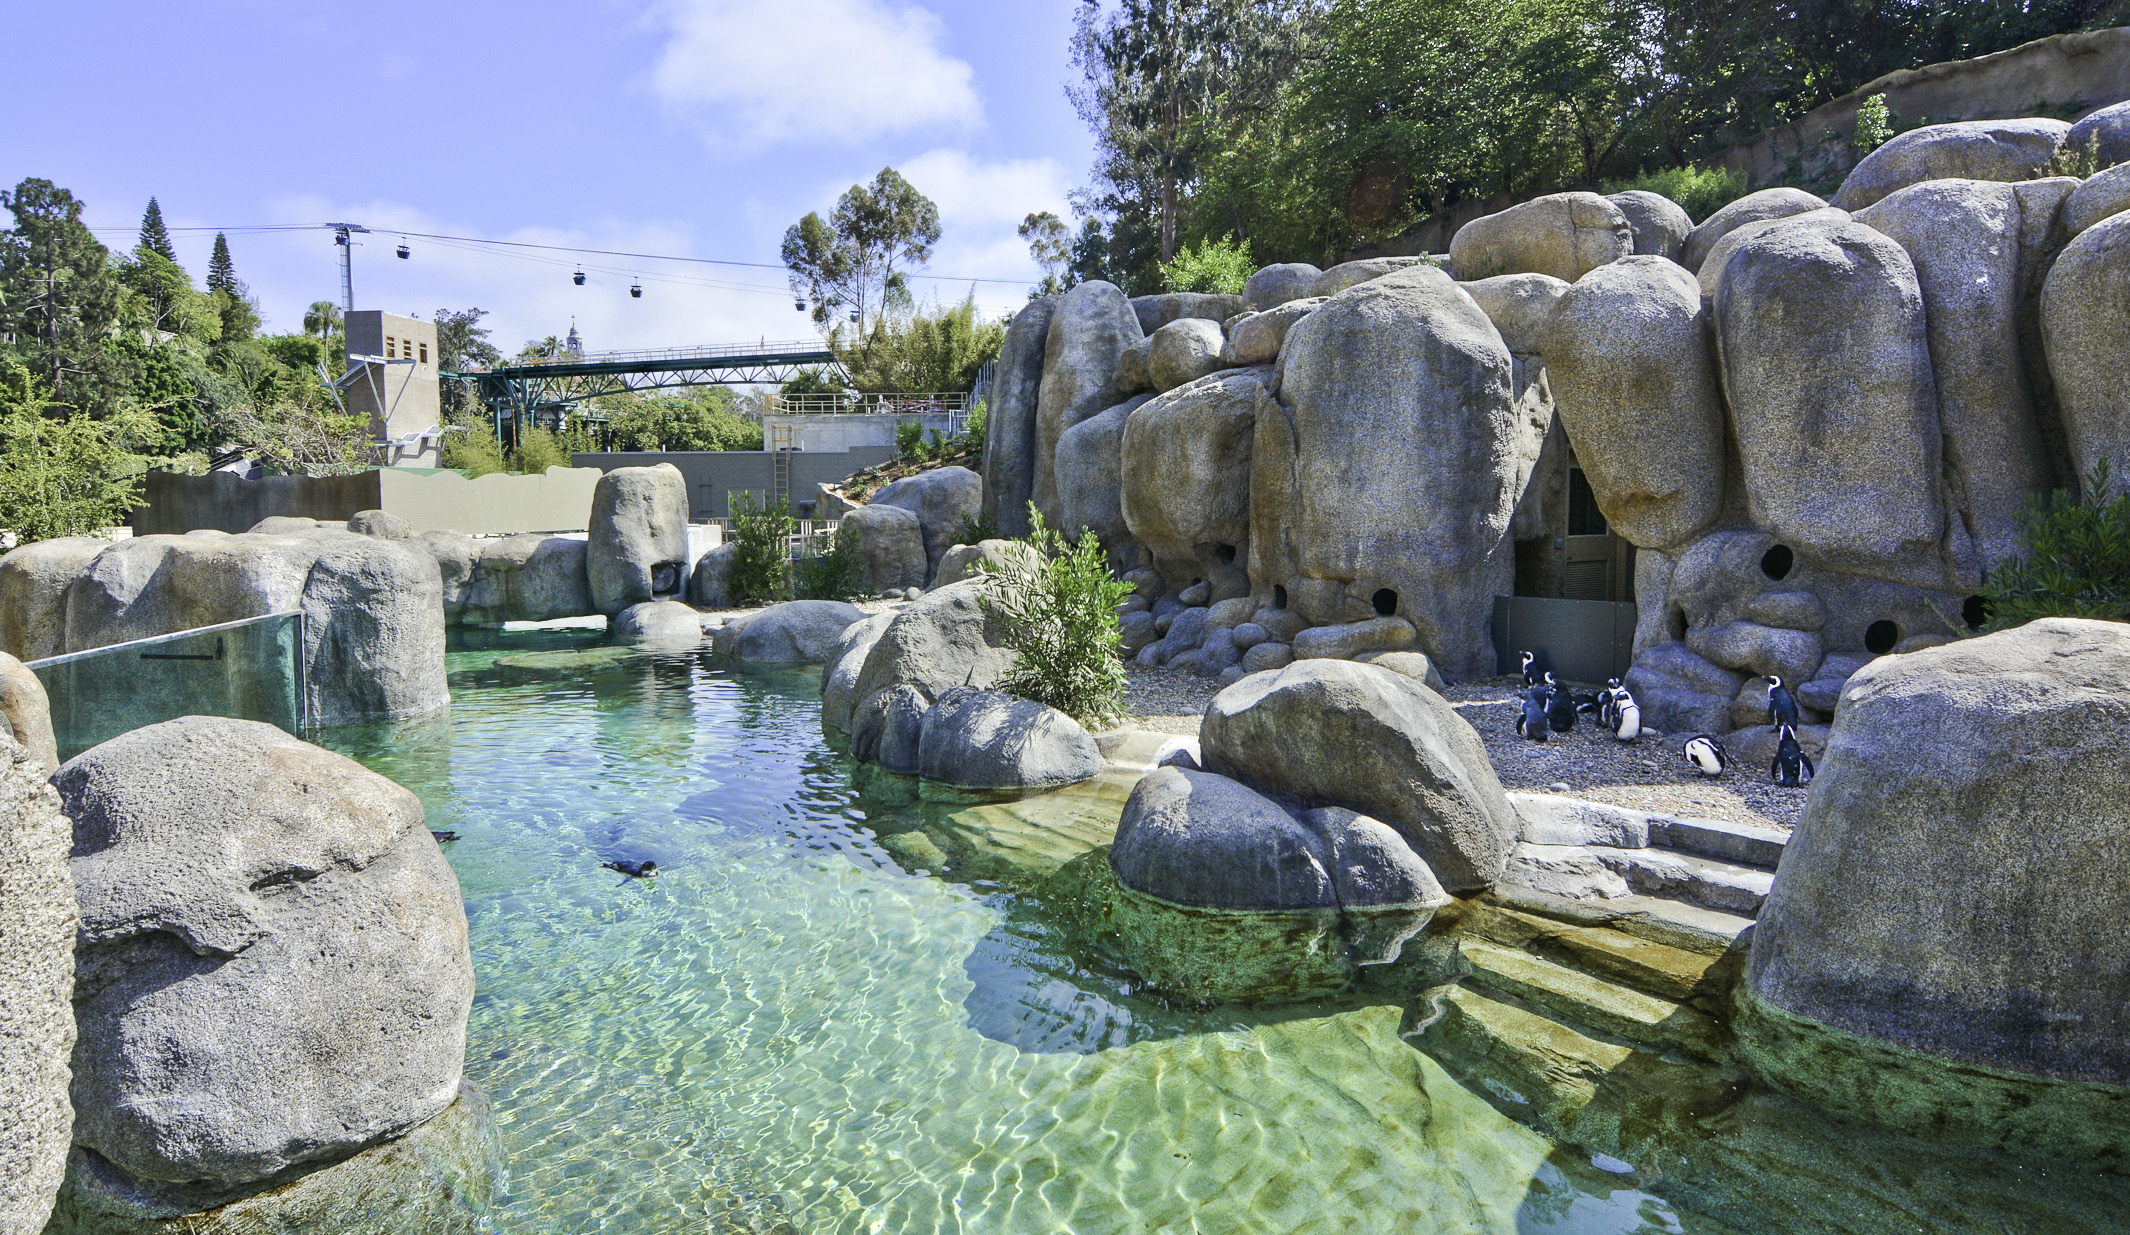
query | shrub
(982,527)
(832,567)
(1213,266)
(1059,607)
(476,451)
(919,350)
(1699,191)
(2077,561)
(539,449)
(909,439)
(70,476)
(2075,162)
(1874,125)
(761,565)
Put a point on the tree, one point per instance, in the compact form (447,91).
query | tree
(705,419)
(860,255)
(232,299)
(69,475)
(59,296)
(221,272)
(918,351)
(1050,244)
(155,238)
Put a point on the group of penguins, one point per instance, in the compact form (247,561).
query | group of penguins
(1550,707)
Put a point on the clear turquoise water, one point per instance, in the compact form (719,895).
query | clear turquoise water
(791,1030)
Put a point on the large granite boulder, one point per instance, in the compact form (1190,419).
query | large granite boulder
(1090,328)
(1090,476)
(962,561)
(1633,377)
(1160,309)
(1385,474)
(637,548)
(382,524)
(941,640)
(247,901)
(26,712)
(456,555)
(1336,733)
(1278,284)
(1681,691)
(1255,338)
(1827,369)
(710,582)
(1366,270)
(658,623)
(1519,305)
(1976,252)
(1194,838)
(985,739)
(2105,132)
(943,499)
(33,593)
(1752,208)
(1719,253)
(1185,478)
(2004,150)
(1566,235)
(2097,198)
(1660,225)
(839,677)
(1184,351)
(797,632)
(891,540)
(1957,887)
(37,919)
(2085,325)
(1010,421)
(528,578)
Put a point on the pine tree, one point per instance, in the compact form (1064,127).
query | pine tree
(221,272)
(155,238)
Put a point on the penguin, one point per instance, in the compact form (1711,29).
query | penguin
(1609,703)
(1560,705)
(443,838)
(1626,716)
(646,869)
(1531,721)
(1590,704)
(1534,669)
(1706,753)
(1791,766)
(1782,709)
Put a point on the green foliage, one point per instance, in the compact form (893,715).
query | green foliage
(60,298)
(65,474)
(301,435)
(1700,191)
(832,567)
(1050,244)
(2081,162)
(936,350)
(909,439)
(476,451)
(977,529)
(704,419)
(1220,266)
(539,449)
(1059,608)
(859,256)
(761,566)
(2077,561)
(812,382)
(155,237)
(1874,125)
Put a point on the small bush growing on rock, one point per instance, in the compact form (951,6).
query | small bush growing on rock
(761,566)
(1220,266)
(833,568)
(2077,562)
(1059,605)
(1699,191)
(1874,124)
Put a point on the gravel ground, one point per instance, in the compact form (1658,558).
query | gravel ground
(1649,774)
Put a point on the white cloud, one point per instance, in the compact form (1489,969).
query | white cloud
(761,71)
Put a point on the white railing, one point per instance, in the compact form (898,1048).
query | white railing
(853,404)
(652,355)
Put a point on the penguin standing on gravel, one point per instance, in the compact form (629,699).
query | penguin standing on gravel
(1706,753)
(1782,709)
(1791,766)
(1531,721)
(1626,715)
(1560,705)
(1608,703)
(1534,669)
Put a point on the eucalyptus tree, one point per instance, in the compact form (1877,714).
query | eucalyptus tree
(861,256)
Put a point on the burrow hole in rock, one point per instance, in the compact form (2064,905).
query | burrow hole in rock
(1279,596)
(1676,622)
(1777,562)
(1880,636)
(1975,612)
(1227,554)
(665,579)
(1385,601)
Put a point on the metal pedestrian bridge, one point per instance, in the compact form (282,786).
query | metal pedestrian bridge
(535,389)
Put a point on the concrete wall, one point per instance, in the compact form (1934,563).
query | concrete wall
(559,501)
(714,474)
(401,399)
(827,434)
(224,502)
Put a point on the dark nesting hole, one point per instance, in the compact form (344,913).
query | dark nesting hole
(1279,596)
(1880,636)
(1386,602)
(1975,612)
(1677,623)
(1227,554)
(665,579)
(1777,562)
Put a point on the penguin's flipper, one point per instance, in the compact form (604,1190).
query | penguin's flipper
(1775,769)
(1810,771)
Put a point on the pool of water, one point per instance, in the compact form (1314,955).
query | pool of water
(820,1019)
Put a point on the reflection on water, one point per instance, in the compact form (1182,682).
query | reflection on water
(791,1030)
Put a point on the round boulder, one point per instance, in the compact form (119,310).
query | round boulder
(710,583)
(1276,285)
(2085,327)
(637,548)
(891,540)
(1090,329)
(2097,198)
(1752,208)
(2007,150)
(797,632)
(528,578)
(1183,351)
(1090,475)
(1255,338)
(1352,274)
(1566,235)
(1195,838)
(1010,423)
(961,561)
(667,623)
(2105,132)
(382,524)
(1519,305)
(1659,225)
(1159,310)
(33,593)
(1185,467)
(985,739)
(943,499)
(26,711)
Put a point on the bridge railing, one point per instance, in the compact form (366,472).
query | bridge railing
(783,347)
(850,403)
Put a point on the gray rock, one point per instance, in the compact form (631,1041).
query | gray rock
(637,548)
(797,632)
(1276,285)
(1752,747)
(1137,631)
(941,640)
(1405,372)
(1652,593)
(2106,132)
(528,578)
(887,728)
(1519,305)
(1353,274)
(1255,338)
(1414,665)
(1265,657)
(1186,632)
(1217,654)
(1371,866)
(1184,351)
(2097,198)
(1720,252)
(26,712)
(1915,904)
(1185,465)
(1824,690)
(1634,381)
(1566,235)
(1752,208)
(667,623)
(1681,692)
(1159,310)
(942,499)
(1197,595)
(960,562)
(283,525)
(37,920)
(710,582)
(839,681)
(1010,422)
(984,739)
(1090,329)
(1352,639)
(1200,839)
(1659,225)
(33,594)
(456,555)
(1249,635)
(1334,733)
(1282,624)
(247,898)
(1789,610)
(1090,476)
(382,524)
(1133,376)
(2085,325)
(1963,236)
(2006,150)
(1826,367)
(891,539)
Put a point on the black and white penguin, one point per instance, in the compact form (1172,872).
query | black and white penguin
(1531,721)
(1609,703)
(1535,668)
(1791,766)
(1706,753)
(1782,709)
(1560,705)
(443,838)
(1626,715)
(645,869)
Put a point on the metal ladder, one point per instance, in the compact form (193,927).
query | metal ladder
(782,441)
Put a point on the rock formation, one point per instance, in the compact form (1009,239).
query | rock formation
(37,921)
(637,549)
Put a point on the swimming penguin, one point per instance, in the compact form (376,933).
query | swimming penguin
(1706,753)
(443,838)
(635,870)
(1782,709)
(1531,722)
(1791,766)
(1560,706)
(1626,716)
(1535,668)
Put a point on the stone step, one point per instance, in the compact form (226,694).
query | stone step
(1618,1012)
(1707,882)
(1647,965)
(1744,844)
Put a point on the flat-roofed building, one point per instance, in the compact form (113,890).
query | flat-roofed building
(392,378)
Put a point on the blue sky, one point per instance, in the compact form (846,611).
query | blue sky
(694,127)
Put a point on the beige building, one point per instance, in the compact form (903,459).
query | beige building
(392,377)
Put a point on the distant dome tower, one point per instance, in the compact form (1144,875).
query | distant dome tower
(573,344)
